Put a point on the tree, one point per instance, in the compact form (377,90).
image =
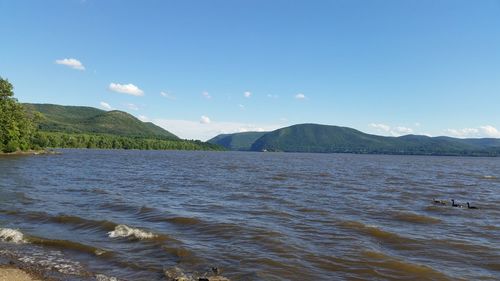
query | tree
(16,128)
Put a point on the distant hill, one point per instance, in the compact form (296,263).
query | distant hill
(237,141)
(81,119)
(334,139)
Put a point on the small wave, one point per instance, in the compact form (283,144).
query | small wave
(184,220)
(98,191)
(83,223)
(279,178)
(11,235)
(324,175)
(74,221)
(375,232)
(391,267)
(488,177)
(71,245)
(182,255)
(126,231)
(415,218)
(311,210)
(9,212)
(145,210)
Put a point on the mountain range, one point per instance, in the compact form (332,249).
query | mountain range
(74,120)
(334,139)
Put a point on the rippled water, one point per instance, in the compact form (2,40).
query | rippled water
(96,214)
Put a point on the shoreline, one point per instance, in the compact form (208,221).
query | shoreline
(30,153)
(13,273)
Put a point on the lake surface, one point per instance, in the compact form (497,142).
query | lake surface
(130,215)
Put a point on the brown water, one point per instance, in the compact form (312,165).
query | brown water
(97,214)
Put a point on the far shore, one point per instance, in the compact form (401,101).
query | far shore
(29,152)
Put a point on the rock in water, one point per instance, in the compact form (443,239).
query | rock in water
(176,274)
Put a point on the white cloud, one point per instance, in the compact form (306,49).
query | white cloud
(253,129)
(132,106)
(129,89)
(143,118)
(462,133)
(204,120)
(272,96)
(300,96)
(105,105)
(247,94)
(486,131)
(73,63)
(402,130)
(393,131)
(196,130)
(206,95)
(167,95)
(490,131)
(381,127)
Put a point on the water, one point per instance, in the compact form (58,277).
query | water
(130,215)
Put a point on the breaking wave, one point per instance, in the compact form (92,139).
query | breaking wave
(126,231)
(11,235)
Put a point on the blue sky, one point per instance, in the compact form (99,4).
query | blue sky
(386,67)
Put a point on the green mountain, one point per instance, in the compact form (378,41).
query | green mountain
(81,119)
(238,141)
(334,139)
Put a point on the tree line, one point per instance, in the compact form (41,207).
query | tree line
(105,141)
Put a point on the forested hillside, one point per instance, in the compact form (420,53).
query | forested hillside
(334,139)
(38,126)
(82,119)
(237,141)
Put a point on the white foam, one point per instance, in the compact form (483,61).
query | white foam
(126,231)
(102,277)
(11,235)
(53,260)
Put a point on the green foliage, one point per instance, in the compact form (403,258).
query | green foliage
(79,127)
(16,127)
(238,141)
(333,139)
(6,89)
(87,127)
(106,141)
(81,119)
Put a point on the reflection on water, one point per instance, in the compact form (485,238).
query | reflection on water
(139,215)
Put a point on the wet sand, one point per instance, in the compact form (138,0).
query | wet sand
(8,273)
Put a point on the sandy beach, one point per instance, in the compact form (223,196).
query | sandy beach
(15,274)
